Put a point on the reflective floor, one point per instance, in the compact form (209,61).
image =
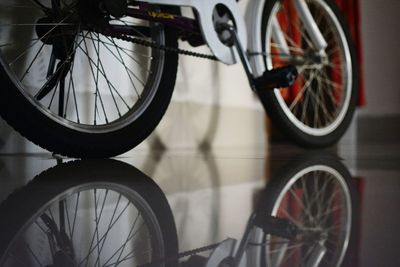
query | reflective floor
(280,206)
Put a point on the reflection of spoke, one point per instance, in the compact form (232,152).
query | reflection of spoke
(286,247)
(109,224)
(36,24)
(128,238)
(75,214)
(104,236)
(328,211)
(38,5)
(18,259)
(302,205)
(305,255)
(40,227)
(289,255)
(127,258)
(333,227)
(34,255)
(14,6)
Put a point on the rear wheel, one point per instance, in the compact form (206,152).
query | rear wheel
(75,89)
(318,108)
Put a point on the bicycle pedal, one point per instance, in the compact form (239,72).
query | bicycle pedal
(276,226)
(277,78)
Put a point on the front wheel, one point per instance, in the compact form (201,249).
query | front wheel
(75,88)
(317,109)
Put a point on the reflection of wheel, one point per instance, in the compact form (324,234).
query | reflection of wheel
(318,108)
(4,133)
(316,195)
(81,91)
(100,213)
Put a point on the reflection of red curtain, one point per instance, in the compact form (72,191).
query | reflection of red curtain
(351,9)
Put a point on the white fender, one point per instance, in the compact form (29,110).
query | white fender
(205,10)
(254,14)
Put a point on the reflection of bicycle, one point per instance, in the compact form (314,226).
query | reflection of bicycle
(107,213)
(304,217)
(102,213)
(93,78)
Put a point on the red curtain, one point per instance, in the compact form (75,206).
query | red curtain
(351,10)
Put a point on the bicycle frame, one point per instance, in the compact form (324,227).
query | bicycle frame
(248,27)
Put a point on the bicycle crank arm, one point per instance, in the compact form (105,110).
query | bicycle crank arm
(276,226)
(277,78)
(271,79)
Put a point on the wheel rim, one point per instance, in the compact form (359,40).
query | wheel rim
(323,219)
(109,83)
(106,225)
(319,100)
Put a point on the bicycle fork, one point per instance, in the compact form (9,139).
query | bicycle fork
(271,79)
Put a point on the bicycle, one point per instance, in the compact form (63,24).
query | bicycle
(108,213)
(60,61)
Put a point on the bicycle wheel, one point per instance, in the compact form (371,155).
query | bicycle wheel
(72,85)
(87,214)
(318,108)
(316,195)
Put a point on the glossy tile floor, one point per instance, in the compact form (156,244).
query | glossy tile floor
(280,206)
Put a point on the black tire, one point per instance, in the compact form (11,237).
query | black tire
(318,166)
(62,184)
(306,134)
(72,138)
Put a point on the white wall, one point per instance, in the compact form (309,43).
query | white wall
(381,41)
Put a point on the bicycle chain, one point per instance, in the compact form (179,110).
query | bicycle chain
(155,45)
(183,255)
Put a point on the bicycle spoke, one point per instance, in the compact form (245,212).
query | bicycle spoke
(37,41)
(34,255)
(97,88)
(302,90)
(32,62)
(118,48)
(98,70)
(102,72)
(129,71)
(126,50)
